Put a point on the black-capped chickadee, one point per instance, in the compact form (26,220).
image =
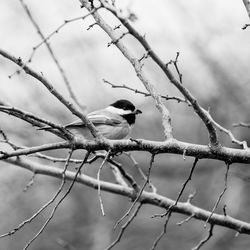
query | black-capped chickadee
(113,122)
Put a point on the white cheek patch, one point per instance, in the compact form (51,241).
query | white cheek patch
(118,111)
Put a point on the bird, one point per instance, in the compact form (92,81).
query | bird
(114,122)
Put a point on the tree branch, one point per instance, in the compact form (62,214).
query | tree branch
(247,6)
(225,154)
(142,40)
(146,197)
(53,91)
(52,54)
(166,119)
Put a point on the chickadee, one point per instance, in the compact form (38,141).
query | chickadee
(113,122)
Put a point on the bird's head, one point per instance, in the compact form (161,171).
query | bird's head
(126,109)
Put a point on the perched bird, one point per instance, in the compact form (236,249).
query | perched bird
(113,122)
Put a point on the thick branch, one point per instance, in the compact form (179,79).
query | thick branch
(146,197)
(228,155)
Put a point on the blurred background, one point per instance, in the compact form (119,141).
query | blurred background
(214,60)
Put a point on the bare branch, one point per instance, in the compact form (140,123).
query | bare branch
(206,239)
(30,183)
(52,54)
(184,185)
(166,119)
(224,154)
(123,228)
(221,194)
(163,232)
(53,91)
(245,26)
(125,175)
(54,159)
(247,6)
(6,140)
(146,197)
(60,201)
(13,231)
(138,195)
(117,165)
(118,176)
(144,177)
(168,213)
(142,40)
(175,62)
(136,91)
(56,31)
(228,132)
(32,150)
(36,121)
(185,220)
(98,180)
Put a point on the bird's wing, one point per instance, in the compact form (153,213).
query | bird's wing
(100,117)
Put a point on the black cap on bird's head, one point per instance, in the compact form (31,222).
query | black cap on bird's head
(127,106)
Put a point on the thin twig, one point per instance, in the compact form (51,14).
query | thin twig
(123,228)
(38,155)
(7,140)
(146,197)
(185,220)
(55,159)
(144,177)
(228,132)
(58,203)
(221,194)
(125,175)
(136,91)
(163,232)
(168,213)
(246,26)
(38,76)
(45,205)
(30,183)
(182,189)
(35,120)
(98,181)
(118,176)
(139,194)
(35,149)
(47,38)
(206,239)
(175,62)
(52,54)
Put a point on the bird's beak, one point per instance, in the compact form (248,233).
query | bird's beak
(137,111)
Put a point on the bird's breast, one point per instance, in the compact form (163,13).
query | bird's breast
(114,132)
